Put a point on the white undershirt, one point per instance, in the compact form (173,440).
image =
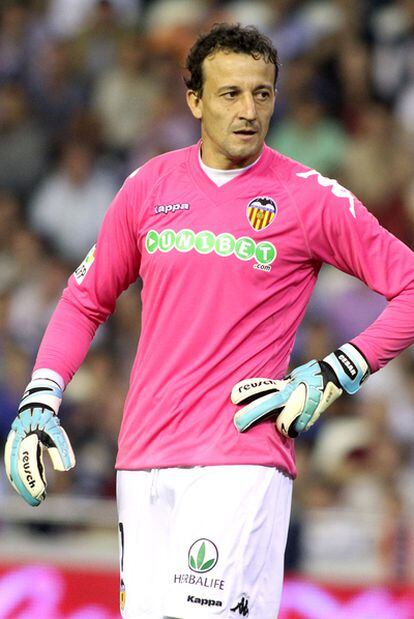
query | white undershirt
(221,177)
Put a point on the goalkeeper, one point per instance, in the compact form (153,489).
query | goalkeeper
(228,237)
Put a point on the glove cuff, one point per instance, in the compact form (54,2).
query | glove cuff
(42,392)
(350,366)
(49,374)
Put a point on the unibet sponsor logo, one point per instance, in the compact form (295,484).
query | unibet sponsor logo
(185,240)
(225,244)
(245,248)
(203,601)
(166,240)
(202,556)
(206,242)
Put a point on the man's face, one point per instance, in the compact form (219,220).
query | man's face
(235,108)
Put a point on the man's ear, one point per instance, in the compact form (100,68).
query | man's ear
(195,104)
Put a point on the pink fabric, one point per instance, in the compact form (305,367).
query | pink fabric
(209,320)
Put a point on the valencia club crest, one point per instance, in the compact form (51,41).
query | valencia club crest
(261,212)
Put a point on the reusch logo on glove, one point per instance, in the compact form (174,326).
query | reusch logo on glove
(259,383)
(26,467)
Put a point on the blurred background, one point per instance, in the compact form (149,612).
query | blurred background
(90,90)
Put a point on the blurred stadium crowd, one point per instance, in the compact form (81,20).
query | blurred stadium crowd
(89,90)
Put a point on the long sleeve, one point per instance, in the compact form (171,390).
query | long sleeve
(344,234)
(90,296)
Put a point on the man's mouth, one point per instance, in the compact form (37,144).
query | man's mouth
(245,132)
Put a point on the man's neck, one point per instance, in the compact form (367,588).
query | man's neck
(221,177)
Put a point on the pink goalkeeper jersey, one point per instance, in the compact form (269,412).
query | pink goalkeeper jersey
(227,274)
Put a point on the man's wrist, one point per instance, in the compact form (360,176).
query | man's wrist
(350,367)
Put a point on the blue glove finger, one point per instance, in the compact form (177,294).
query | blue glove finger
(42,419)
(311,403)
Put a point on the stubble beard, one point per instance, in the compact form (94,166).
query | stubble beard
(244,154)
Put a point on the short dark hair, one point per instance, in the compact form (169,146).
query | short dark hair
(232,38)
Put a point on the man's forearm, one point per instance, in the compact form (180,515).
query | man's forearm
(391,333)
(67,338)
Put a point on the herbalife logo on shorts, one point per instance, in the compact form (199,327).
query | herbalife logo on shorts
(202,556)
(206,242)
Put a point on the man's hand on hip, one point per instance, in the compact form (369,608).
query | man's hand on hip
(298,400)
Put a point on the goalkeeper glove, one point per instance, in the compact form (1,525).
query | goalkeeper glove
(305,393)
(37,427)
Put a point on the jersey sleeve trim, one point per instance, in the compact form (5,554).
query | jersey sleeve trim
(298,215)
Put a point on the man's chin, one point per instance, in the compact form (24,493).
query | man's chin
(245,155)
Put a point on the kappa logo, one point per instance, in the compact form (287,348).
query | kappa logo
(164,209)
(261,211)
(334,186)
(203,601)
(242,608)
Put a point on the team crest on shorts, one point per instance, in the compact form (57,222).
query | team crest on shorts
(261,211)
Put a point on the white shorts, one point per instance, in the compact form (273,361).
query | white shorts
(202,542)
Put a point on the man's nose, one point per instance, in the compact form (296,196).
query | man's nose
(247,107)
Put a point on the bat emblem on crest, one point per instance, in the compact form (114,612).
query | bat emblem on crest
(261,211)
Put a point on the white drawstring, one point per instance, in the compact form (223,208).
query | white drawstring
(154,485)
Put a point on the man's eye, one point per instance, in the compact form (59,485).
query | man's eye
(230,95)
(263,94)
